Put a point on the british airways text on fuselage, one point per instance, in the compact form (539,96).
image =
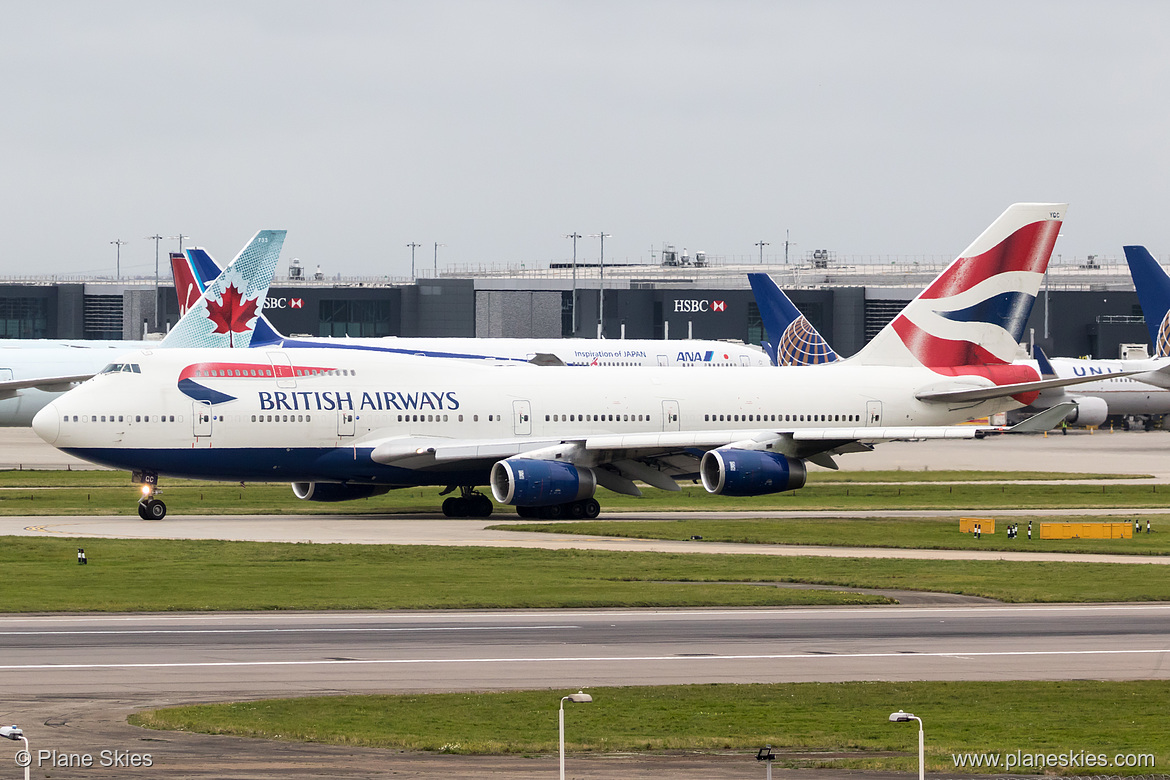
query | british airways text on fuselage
(314,400)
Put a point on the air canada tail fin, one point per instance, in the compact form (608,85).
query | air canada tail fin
(1153,290)
(197,269)
(974,312)
(792,340)
(227,311)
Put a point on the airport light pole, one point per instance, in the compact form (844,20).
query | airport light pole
(761,245)
(14,733)
(119,243)
(601,287)
(906,717)
(574,235)
(155,238)
(437,245)
(581,698)
(413,246)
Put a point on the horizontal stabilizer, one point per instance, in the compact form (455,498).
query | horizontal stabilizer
(966,392)
(1046,420)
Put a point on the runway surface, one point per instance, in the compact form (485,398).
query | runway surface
(310,653)
(71,680)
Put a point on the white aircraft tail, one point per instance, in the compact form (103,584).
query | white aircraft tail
(974,312)
(226,314)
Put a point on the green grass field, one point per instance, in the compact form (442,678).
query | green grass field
(847,719)
(913,533)
(162,575)
(111,493)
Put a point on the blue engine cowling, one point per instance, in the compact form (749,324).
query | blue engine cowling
(335,491)
(750,472)
(527,482)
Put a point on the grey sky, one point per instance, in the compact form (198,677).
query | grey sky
(497,127)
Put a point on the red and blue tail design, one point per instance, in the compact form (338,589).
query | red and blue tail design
(973,315)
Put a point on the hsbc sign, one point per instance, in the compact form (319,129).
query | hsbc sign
(698,305)
(284,303)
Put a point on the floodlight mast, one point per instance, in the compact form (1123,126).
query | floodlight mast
(905,717)
(14,733)
(581,698)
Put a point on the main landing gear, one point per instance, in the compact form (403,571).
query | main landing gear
(587,508)
(149,507)
(468,504)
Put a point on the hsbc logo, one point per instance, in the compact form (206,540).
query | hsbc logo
(686,305)
(284,303)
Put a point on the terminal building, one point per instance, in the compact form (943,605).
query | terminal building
(1086,308)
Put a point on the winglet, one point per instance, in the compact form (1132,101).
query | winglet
(792,340)
(1153,290)
(226,313)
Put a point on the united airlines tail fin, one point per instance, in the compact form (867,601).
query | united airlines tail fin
(974,312)
(792,340)
(1153,290)
(227,311)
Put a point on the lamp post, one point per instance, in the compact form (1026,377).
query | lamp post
(601,287)
(574,235)
(437,245)
(155,238)
(179,238)
(413,246)
(581,698)
(761,245)
(119,243)
(906,717)
(14,733)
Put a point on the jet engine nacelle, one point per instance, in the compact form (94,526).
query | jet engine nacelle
(1090,410)
(335,491)
(750,472)
(527,482)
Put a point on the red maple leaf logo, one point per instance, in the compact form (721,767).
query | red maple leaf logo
(233,313)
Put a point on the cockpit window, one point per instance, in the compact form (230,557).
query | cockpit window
(127,368)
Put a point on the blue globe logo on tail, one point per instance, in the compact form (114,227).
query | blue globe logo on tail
(802,345)
(1163,345)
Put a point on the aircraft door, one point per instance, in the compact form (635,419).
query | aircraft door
(282,369)
(744,360)
(346,423)
(662,360)
(201,414)
(670,421)
(522,417)
(873,412)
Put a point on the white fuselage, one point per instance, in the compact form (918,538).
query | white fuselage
(1122,394)
(571,352)
(316,414)
(46,359)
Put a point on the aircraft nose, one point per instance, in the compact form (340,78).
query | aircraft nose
(47,423)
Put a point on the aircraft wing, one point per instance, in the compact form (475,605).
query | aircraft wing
(51,384)
(660,458)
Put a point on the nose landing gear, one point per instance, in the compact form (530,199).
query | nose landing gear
(149,507)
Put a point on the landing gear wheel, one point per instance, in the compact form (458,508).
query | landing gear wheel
(528,511)
(576,510)
(481,506)
(592,508)
(554,512)
(152,509)
(455,507)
